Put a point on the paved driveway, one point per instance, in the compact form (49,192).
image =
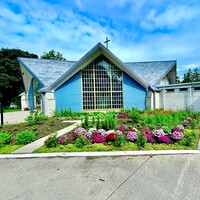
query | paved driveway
(174,177)
(14,117)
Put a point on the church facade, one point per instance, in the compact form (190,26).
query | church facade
(98,81)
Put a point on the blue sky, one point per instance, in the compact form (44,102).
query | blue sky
(139,30)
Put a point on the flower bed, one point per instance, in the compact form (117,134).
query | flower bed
(128,133)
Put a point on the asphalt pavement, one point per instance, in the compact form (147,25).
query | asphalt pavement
(158,177)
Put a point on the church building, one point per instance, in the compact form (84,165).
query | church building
(98,81)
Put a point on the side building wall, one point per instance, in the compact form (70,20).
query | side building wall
(69,94)
(134,94)
(180,99)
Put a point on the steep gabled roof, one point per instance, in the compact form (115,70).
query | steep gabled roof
(45,71)
(86,59)
(53,73)
(151,72)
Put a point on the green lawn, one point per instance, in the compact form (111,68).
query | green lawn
(12,110)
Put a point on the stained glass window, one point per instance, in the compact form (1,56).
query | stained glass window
(102,85)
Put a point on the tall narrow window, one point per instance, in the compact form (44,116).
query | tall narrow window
(102,85)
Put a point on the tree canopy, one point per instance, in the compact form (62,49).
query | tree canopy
(191,76)
(11,84)
(52,55)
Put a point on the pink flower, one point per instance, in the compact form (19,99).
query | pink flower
(177,135)
(122,128)
(132,136)
(164,139)
(98,138)
(150,138)
(158,133)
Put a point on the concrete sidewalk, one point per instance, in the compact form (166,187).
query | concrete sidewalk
(29,148)
(15,117)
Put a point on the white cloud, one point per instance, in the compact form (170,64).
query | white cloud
(80,4)
(172,17)
(56,28)
(170,32)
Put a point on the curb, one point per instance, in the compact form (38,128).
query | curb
(99,154)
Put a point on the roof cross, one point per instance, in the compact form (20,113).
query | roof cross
(107,40)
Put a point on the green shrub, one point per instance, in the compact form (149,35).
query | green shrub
(190,138)
(135,115)
(5,138)
(98,122)
(34,127)
(129,146)
(141,141)
(93,121)
(119,141)
(86,123)
(166,130)
(110,121)
(67,113)
(15,129)
(80,142)
(35,117)
(25,137)
(51,142)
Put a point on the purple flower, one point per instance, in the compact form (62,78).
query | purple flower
(185,122)
(164,139)
(132,136)
(178,128)
(79,131)
(120,115)
(145,130)
(125,115)
(177,135)
(189,119)
(158,133)
(150,138)
(122,128)
(63,140)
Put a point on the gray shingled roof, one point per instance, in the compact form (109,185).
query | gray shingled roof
(151,72)
(47,71)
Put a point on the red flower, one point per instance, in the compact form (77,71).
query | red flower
(111,137)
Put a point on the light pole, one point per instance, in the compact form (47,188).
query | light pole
(1,107)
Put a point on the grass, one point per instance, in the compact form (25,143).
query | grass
(44,128)
(6,149)
(12,110)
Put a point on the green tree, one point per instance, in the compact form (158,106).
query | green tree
(187,77)
(191,76)
(11,84)
(178,79)
(196,75)
(52,55)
